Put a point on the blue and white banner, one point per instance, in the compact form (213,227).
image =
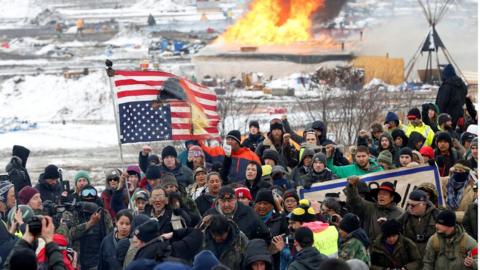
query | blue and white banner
(405,179)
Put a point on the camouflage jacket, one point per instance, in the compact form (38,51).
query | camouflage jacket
(352,248)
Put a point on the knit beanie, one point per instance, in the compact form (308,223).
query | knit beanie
(427,151)
(235,135)
(270,154)
(81,174)
(172,265)
(153,172)
(243,192)
(320,157)
(391,227)
(5,186)
(350,222)
(254,123)
(291,193)
(168,179)
(51,172)
(147,231)
(196,151)
(26,194)
(169,151)
(474,142)
(205,260)
(406,151)
(276,125)
(265,195)
(446,218)
(134,170)
(376,127)
(199,170)
(443,118)
(385,157)
(414,113)
(391,116)
(444,136)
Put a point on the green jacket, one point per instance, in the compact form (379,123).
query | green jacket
(352,169)
(449,253)
(405,254)
(352,248)
(419,229)
(370,212)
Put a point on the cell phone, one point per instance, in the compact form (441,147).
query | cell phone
(66,185)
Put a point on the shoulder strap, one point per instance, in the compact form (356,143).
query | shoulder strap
(436,243)
(463,245)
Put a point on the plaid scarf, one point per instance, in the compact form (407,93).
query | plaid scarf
(455,187)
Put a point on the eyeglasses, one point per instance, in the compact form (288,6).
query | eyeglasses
(89,193)
(113,179)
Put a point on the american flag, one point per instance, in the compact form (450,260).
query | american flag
(157,106)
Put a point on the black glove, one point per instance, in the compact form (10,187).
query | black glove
(431,162)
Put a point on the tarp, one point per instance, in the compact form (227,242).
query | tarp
(405,180)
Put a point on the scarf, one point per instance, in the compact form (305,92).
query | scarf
(455,187)
(267,216)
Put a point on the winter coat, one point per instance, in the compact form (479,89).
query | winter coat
(370,212)
(253,141)
(48,192)
(52,252)
(313,177)
(425,119)
(287,153)
(106,199)
(405,254)
(182,173)
(247,221)
(355,246)
(392,149)
(170,220)
(307,259)
(419,229)
(204,203)
(257,250)
(300,170)
(445,162)
(277,224)
(470,220)
(448,253)
(451,95)
(16,168)
(107,259)
(231,251)
(184,244)
(415,138)
(7,242)
(234,167)
(352,169)
(423,129)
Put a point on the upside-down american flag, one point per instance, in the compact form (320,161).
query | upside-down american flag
(157,106)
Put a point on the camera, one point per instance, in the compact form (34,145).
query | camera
(420,238)
(35,225)
(334,219)
(288,239)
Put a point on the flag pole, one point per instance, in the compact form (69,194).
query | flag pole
(110,74)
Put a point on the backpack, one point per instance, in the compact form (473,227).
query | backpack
(436,244)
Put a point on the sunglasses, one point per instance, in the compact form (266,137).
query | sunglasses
(116,179)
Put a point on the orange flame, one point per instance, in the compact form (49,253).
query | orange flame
(274,22)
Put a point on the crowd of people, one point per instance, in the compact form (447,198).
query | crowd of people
(237,206)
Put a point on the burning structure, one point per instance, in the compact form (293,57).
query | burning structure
(274,31)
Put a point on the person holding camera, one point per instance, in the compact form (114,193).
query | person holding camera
(393,251)
(23,254)
(307,256)
(418,222)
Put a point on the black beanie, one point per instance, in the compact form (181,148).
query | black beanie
(51,172)
(304,236)
(391,227)
(350,222)
(444,136)
(415,112)
(153,172)
(147,231)
(24,259)
(291,193)
(254,123)
(265,195)
(446,218)
(235,135)
(276,125)
(443,118)
(406,151)
(169,151)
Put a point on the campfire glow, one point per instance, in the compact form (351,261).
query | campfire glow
(274,22)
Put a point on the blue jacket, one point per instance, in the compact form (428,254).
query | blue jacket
(107,259)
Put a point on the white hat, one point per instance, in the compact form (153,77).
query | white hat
(473,129)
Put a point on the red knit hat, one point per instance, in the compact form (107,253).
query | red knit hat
(427,151)
(26,193)
(243,192)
